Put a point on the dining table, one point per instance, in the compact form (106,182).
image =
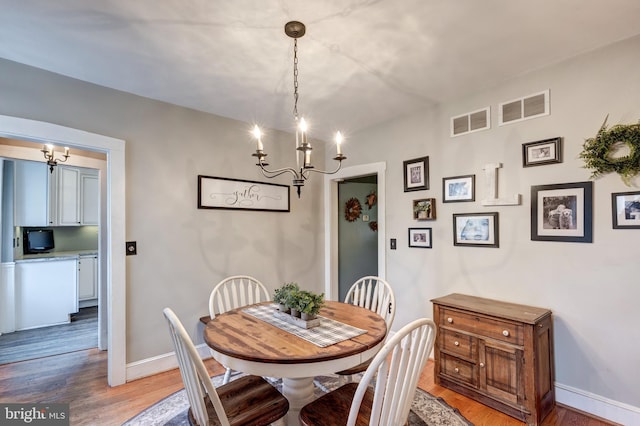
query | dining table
(256,340)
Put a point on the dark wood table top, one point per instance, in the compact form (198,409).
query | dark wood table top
(242,336)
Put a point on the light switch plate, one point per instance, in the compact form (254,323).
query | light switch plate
(132,248)
(393,244)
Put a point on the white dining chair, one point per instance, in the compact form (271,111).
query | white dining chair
(247,401)
(396,369)
(375,294)
(234,292)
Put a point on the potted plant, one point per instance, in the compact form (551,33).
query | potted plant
(282,296)
(291,300)
(309,304)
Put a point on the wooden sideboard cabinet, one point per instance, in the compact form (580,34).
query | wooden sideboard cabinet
(497,353)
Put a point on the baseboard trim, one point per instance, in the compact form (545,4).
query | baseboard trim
(604,408)
(160,363)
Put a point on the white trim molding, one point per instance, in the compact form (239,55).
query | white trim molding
(158,364)
(597,405)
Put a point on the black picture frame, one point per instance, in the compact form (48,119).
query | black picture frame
(416,174)
(625,210)
(476,229)
(540,153)
(562,212)
(459,189)
(420,237)
(238,194)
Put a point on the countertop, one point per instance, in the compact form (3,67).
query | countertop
(58,255)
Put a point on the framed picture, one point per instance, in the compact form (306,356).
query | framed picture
(543,152)
(424,209)
(459,188)
(475,229)
(625,208)
(416,174)
(236,194)
(420,237)
(562,212)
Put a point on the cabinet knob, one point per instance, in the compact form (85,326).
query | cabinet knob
(450,320)
(456,343)
(457,370)
(482,364)
(505,333)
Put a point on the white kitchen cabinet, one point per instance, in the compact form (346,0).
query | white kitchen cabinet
(46,292)
(88,280)
(31,193)
(68,196)
(75,194)
(90,198)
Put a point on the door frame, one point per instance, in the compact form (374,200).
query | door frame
(112,221)
(331,214)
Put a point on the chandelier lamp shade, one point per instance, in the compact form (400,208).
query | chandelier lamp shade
(303,169)
(49,155)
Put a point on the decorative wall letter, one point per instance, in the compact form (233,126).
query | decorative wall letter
(491,188)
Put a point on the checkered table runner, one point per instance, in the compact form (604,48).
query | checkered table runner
(326,334)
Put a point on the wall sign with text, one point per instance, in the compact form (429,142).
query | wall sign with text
(237,194)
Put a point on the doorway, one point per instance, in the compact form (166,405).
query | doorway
(112,235)
(331,218)
(357,231)
(29,330)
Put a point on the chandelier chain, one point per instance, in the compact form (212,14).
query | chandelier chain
(295,78)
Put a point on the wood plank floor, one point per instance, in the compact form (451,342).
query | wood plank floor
(80,379)
(81,333)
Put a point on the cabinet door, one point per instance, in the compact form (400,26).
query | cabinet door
(31,192)
(500,367)
(90,199)
(68,196)
(87,277)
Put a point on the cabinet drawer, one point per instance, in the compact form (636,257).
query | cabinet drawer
(458,369)
(459,344)
(484,326)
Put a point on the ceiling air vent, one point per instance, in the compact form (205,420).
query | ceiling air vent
(531,106)
(471,122)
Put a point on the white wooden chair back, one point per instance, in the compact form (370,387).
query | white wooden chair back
(396,369)
(197,383)
(234,292)
(375,294)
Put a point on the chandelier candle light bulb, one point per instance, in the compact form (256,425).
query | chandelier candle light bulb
(338,143)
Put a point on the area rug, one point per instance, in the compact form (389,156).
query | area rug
(425,409)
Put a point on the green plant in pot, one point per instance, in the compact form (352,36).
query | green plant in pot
(422,209)
(283,296)
(309,304)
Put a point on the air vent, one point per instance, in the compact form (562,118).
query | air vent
(525,108)
(471,122)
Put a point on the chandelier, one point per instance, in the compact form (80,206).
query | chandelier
(303,169)
(47,150)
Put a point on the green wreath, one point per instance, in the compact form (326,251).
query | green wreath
(597,151)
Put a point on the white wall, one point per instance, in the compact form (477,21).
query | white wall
(592,289)
(182,251)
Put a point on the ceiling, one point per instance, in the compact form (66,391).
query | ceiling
(360,63)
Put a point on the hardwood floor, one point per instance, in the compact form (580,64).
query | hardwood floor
(81,333)
(80,379)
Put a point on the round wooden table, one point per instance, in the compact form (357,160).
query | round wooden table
(245,343)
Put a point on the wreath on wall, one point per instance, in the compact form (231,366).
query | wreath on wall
(597,152)
(352,209)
